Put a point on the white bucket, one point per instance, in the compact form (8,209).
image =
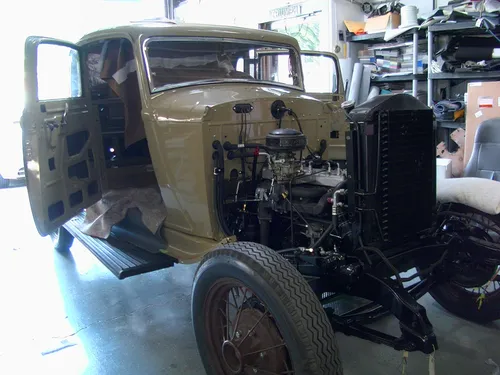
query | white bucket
(408,16)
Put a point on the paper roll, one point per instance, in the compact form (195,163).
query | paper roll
(374,91)
(355,84)
(365,83)
(409,16)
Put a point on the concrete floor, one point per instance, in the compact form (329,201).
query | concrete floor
(142,325)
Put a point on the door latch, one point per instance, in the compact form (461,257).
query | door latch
(53,124)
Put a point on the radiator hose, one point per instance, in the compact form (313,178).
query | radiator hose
(332,227)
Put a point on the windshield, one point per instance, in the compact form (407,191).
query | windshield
(173,62)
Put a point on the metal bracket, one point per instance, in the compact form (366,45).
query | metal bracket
(416,330)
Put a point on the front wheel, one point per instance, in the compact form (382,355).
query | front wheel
(254,313)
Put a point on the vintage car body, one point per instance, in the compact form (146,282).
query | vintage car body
(156,144)
(191,117)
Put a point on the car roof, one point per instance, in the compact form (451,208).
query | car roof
(169,28)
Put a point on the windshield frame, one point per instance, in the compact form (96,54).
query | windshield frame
(272,46)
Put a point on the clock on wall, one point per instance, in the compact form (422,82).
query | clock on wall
(367,8)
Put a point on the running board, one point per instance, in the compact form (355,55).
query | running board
(120,257)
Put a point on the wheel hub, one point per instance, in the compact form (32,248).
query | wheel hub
(232,357)
(263,346)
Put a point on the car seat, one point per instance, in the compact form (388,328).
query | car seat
(485,158)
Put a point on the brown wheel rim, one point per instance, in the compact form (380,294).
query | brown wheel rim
(243,336)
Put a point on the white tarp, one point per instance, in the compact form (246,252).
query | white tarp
(478,193)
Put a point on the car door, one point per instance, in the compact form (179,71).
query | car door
(322,76)
(62,145)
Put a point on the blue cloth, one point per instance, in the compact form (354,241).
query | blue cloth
(445,109)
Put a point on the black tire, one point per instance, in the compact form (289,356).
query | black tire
(4,183)
(462,302)
(62,240)
(291,302)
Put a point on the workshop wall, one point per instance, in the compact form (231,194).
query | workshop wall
(424,6)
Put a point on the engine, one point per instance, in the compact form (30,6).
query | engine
(284,167)
(383,195)
(291,183)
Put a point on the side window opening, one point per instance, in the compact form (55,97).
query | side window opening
(63,62)
(327,80)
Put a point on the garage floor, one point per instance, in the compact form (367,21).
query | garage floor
(69,315)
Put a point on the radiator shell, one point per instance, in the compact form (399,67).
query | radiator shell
(391,170)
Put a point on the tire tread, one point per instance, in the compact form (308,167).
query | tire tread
(307,313)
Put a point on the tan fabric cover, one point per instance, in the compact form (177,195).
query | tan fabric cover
(120,72)
(112,208)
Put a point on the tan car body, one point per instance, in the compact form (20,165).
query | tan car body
(180,126)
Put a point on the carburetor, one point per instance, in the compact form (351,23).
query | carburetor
(282,144)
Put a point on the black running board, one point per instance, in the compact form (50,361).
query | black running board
(120,257)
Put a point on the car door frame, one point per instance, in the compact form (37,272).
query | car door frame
(62,146)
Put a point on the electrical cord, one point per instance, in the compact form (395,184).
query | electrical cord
(385,260)
(427,270)
(493,34)
(486,25)
(294,115)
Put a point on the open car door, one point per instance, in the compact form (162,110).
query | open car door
(61,136)
(322,77)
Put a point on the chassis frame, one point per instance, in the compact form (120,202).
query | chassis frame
(368,278)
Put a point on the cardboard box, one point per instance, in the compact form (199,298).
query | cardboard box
(388,21)
(378,24)
(483,103)
(443,168)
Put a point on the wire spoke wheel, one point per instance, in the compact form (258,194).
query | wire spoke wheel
(473,276)
(254,313)
(473,288)
(243,332)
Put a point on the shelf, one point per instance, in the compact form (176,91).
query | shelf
(379,37)
(466,75)
(466,27)
(406,78)
(367,38)
(449,124)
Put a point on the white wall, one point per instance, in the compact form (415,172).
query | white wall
(62,19)
(425,7)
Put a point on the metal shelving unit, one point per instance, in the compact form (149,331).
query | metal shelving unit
(406,78)
(458,28)
(379,38)
(367,38)
(449,124)
(465,75)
